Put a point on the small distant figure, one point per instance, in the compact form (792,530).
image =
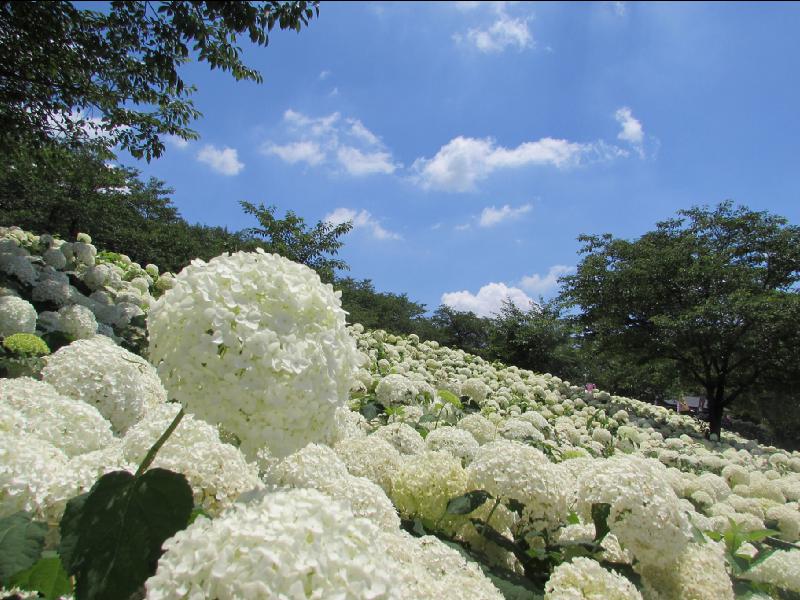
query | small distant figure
(590,388)
(683,406)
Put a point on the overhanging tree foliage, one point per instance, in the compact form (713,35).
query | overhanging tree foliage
(713,291)
(59,63)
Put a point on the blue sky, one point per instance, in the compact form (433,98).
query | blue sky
(471,143)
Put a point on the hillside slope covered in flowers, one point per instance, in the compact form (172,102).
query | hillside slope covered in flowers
(330,461)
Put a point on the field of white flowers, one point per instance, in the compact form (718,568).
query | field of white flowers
(326,461)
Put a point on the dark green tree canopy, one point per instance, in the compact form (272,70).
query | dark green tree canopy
(290,237)
(58,62)
(713,291)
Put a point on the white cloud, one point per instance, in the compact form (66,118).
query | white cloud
(361,220)
(488,300)
(542,285)
(619,8)
(491,216)
(334,140)
(503,33)
(632,131)
(358,131)
(225,161)
(463,161)
(324,74)
(176,142)
(308,152)
(358,163)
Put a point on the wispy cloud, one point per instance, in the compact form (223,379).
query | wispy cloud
(488,300)
(500,33)
(358,163)
(225,161)
(543,285)
(463,161)
(491,216)
(308,152)
(632,131)
(324,74)
(332,140)
(361,220)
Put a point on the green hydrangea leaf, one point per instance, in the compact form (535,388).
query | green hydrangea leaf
(47,577)
(112,538)
(21,543)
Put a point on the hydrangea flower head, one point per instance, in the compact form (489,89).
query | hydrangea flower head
(256,343)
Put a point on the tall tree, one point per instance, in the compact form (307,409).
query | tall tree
(462,329)
(539,339)
(59,63)
(292,238)
(713,291)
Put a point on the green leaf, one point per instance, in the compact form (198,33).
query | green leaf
(46,577)
(714,535)
(450,398)
(21,543)
(573,519)
(112,537)
(758,535)
(468,502)
(600,512)
(419,528)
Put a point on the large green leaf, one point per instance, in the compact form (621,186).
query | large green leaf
(21,543)
(450,398)
(112,537)
(46,577)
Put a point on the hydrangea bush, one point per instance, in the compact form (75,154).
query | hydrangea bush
(447,476)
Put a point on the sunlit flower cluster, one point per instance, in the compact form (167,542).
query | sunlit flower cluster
(257,344)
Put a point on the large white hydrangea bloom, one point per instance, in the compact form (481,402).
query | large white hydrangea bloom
(292,544)
(120,384)
(256,343)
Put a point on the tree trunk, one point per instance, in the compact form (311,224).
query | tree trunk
(715,409)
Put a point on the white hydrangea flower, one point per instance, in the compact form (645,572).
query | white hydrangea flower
(457,442)
(475,388)
(70,425)
(313,466)
(584,578)
(396,389)
(645,514)
(481,428)
(519,430)
(258,344)
(55,258)
(16,316)
(434,570)
(120,384)
(217,472)
(19,266)
(425,483)
(512,470)
(293,544)
(371,457)
(402,436)
(85,253)
(33,476)
(77,321)
(700,574)
(782,569)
